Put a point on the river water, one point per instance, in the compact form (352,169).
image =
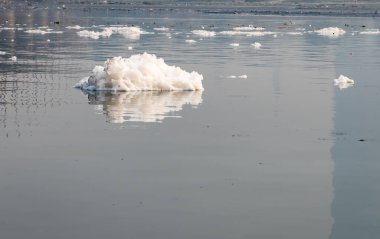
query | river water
(270,149)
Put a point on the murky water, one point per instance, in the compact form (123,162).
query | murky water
(282,153)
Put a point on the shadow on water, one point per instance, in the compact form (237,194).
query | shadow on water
(357,192)
(355,153)
(147,106)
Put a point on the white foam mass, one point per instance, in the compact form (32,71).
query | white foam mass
(331,32)
(343,82)
(235,44)
(128,32)
(13,58)
(203,33)
(2,53)
(141,72)
(256,45)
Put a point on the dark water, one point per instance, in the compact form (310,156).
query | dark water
(281,154)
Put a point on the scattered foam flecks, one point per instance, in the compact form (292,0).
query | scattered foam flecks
(343,82)
(234,77)
(203,33)
(330,32)
(142,72)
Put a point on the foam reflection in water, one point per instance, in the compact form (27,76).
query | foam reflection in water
(143,106)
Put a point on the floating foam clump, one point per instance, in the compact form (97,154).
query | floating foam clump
(235,44)
(331,32)
(161,29)
(13,58)
(95,35)
(256,45)
(2,53)
(190,41)
(343,82)
(142,72)
(128,32)
(203,33)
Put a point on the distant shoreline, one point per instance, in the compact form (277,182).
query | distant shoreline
(361,9)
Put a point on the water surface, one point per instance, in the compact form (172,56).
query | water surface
(281,154)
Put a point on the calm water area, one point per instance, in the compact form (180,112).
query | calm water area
(280,153)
